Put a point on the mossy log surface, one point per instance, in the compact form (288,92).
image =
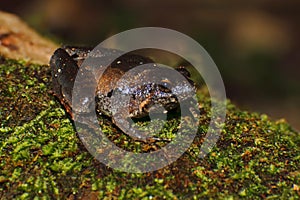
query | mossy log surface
(41,156)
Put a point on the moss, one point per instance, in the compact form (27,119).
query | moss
(42,157)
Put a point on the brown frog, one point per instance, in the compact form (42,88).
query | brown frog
(65,64)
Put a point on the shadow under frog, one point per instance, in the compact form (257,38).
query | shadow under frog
(143,98)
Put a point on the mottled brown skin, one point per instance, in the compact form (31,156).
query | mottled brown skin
(65,64)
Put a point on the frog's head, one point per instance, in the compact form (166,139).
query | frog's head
(152,90)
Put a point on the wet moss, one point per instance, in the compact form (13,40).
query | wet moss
(41,155)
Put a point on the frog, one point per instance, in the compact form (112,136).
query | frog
(66,62)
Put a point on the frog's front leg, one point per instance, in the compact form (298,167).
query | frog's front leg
(123,122)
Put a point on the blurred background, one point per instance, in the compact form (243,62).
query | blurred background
(255,44)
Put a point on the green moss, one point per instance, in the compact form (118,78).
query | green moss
(42,157)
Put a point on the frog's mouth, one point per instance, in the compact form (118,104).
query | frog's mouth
(157,99)
(154,105)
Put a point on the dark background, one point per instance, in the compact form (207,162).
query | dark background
(255,44)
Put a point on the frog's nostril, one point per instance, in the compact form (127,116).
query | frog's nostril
(109,94)
(184,72)
(74,56)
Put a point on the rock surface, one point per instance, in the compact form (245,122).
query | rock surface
(19,41)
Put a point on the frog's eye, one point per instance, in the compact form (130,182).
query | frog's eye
(166,83)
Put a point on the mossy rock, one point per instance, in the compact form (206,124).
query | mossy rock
(43,158)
